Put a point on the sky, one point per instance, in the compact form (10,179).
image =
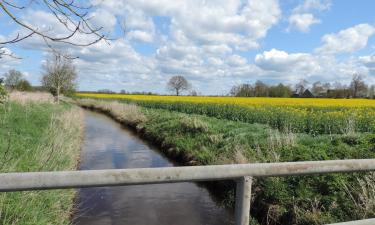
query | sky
(215,44)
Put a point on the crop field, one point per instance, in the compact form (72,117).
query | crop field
(313,116)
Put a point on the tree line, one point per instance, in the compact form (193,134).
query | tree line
(357,88)
(59,77)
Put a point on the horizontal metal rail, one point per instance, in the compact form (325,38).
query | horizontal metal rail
(120,177)
(358,222)
(242,173)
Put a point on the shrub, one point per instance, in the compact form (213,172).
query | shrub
(3,94)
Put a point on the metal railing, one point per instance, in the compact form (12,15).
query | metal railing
(242,173)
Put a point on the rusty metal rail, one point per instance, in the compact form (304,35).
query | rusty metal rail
(242,173)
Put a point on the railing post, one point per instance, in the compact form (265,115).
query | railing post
(243,198)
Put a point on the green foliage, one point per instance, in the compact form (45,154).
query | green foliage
(3,94)
(24,85)
(12,78)
(26,140)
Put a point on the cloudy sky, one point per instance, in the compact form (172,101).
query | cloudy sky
(215,44)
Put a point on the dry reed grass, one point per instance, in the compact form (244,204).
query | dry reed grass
(27,97)
(127,113)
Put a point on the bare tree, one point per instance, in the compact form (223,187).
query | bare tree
(73,16)
(371,92)
(178,84)
(13,78)
(59,76)
(301,86)
(358,85)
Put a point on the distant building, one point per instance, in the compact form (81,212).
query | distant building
(306,94)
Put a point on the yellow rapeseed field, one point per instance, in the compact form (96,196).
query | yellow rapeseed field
(317,102)
(296,114)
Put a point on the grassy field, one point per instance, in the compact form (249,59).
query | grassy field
(38,135)
(200,140)
(313,116)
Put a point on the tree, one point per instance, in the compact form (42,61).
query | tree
(301,86)
(3,92)
(280,91)
(317,88)
(358,86)
(59,76)
(178,84)
(24,85)
(261,89)
(12,78)
(371,92)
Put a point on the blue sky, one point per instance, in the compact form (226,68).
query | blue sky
(214,44)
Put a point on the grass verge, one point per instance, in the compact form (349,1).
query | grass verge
(37,135)
(201,140)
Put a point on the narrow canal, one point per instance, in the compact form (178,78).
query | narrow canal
(108,145)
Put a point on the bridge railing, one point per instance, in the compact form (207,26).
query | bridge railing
(242,173)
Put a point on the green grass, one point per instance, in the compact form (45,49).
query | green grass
(38,137)
(292,200)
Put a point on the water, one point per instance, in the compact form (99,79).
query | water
(108,145)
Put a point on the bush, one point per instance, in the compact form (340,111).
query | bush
(3,94)
(23,85)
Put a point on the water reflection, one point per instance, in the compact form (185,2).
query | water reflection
(107,145)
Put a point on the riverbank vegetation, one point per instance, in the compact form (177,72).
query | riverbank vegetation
(201,140)
(38,135)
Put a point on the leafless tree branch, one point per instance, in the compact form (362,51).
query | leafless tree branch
(73,16)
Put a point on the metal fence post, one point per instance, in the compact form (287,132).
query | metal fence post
(243,198)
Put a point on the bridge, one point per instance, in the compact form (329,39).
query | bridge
(241,173)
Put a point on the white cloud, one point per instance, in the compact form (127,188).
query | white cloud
(303,22)
(308,5)
(302,17)
(281,61)
(233,23)
(7,62)
(369,62)
(139,35)
(346,41)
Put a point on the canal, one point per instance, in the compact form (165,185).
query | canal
(108,145)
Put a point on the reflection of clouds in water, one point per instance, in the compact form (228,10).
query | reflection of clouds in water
(108,145)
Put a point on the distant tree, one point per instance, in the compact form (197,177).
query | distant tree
(123,91)
(243,90)
(24,85)
(193,93)
(371,92)
(280,90)
(12,78)
(301,86)
(260,89)
(59,76)
(358,86)
(178,84)
(317,88)
(105,91)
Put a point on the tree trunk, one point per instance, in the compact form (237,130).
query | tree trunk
(177,92)
(58,94)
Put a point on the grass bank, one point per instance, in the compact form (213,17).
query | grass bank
(201,140)
(38,135)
